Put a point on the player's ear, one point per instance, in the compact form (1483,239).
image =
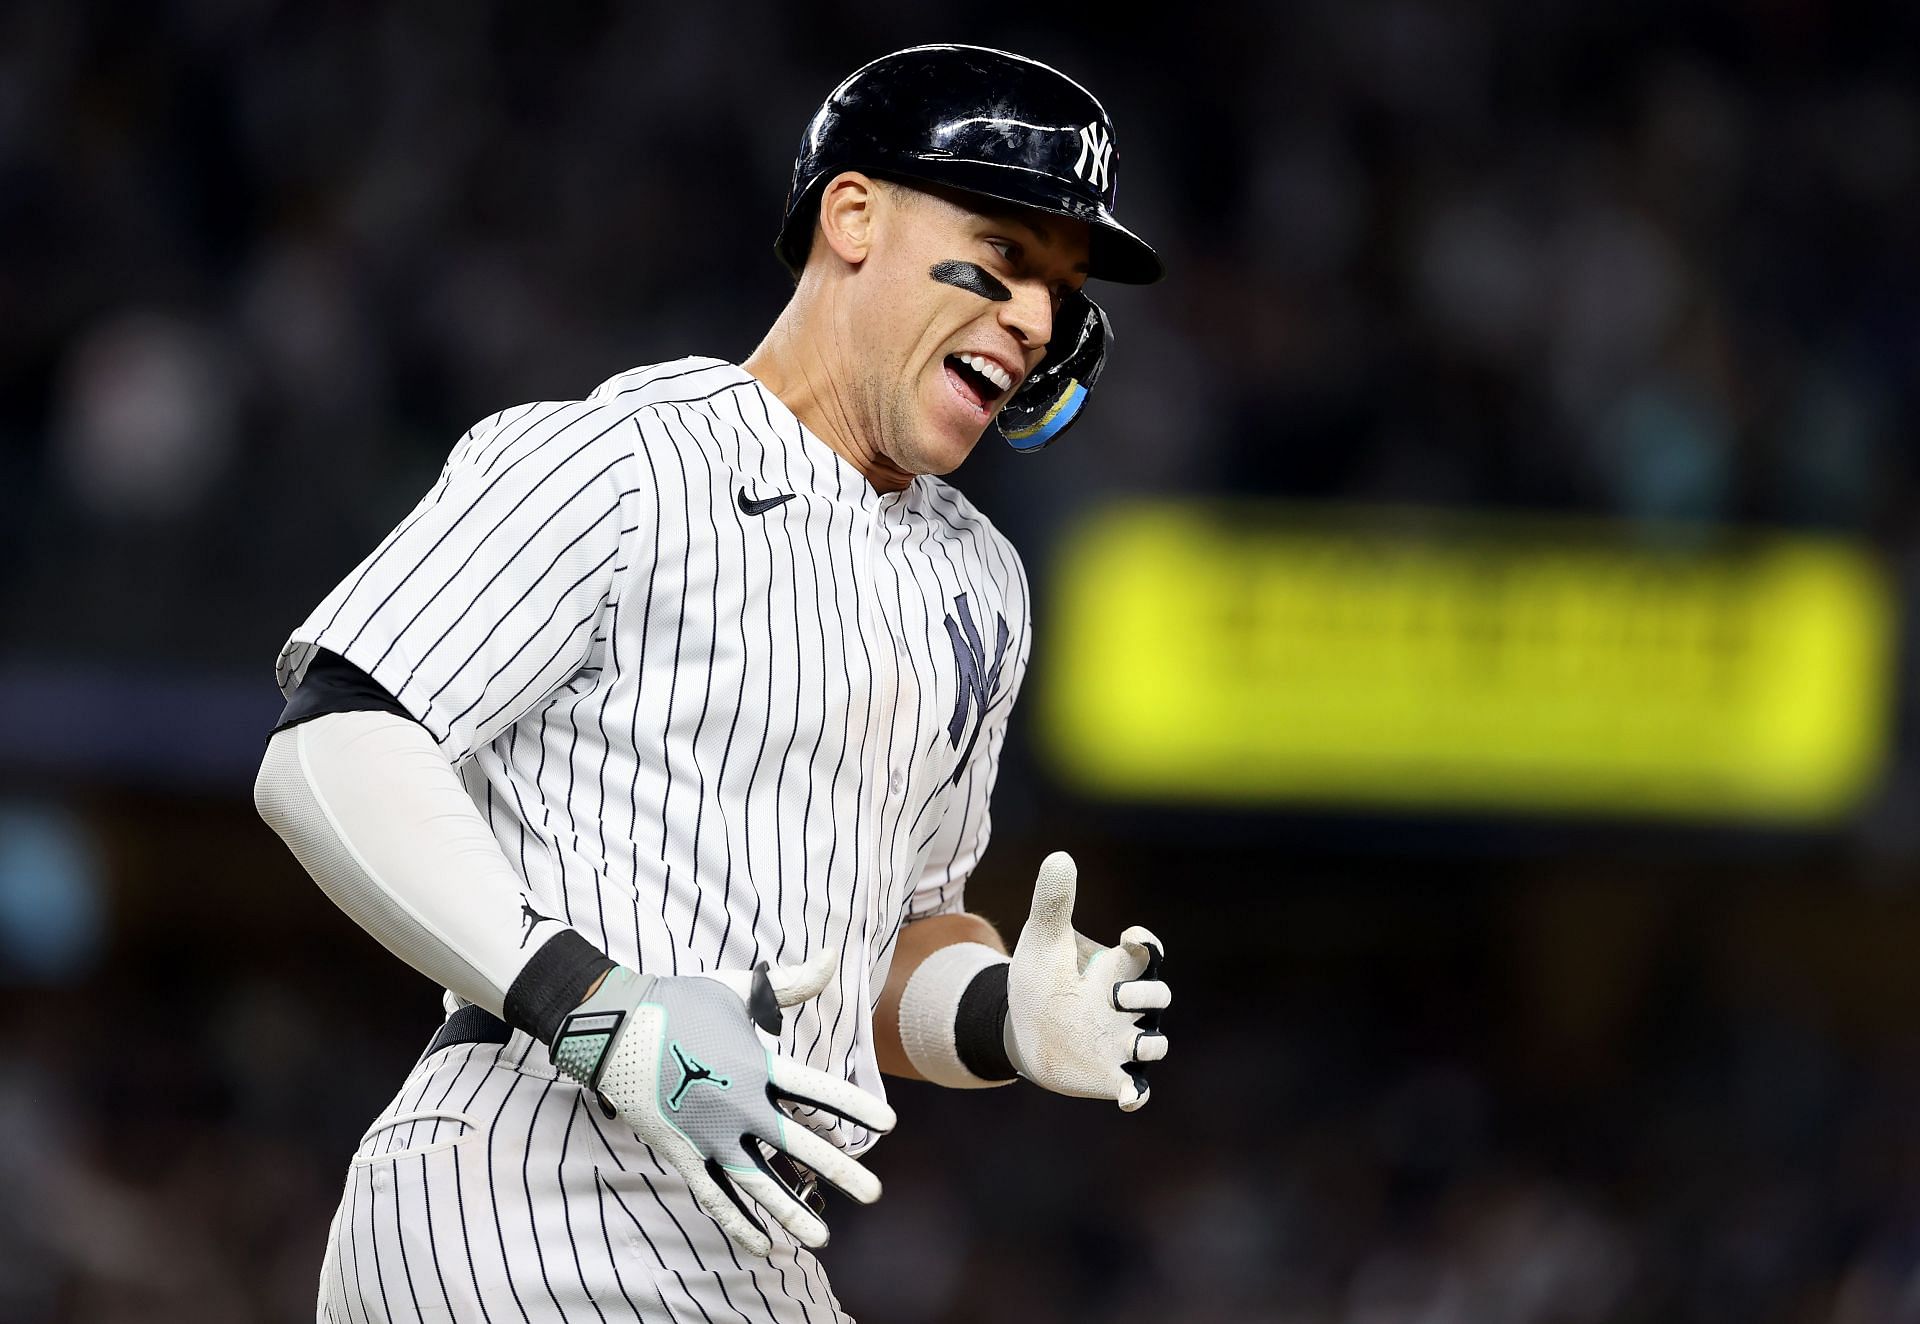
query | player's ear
(847,210)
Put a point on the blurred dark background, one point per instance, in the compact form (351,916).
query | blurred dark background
(262,263)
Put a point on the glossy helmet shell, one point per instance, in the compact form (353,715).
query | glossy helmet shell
(980,120)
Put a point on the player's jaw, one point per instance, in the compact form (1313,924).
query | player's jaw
(962,386)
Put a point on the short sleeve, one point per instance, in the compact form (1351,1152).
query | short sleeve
(941,886)
(487,597)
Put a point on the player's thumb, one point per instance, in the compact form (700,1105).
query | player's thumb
(1051,918)
(797,983)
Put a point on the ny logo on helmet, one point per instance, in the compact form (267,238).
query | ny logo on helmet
(1096,155)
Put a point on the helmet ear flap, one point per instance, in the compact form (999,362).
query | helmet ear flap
(1053,395)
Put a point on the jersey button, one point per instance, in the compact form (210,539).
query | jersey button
(898,782)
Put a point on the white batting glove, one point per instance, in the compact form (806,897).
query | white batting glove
(1082,1019)
(680,1060)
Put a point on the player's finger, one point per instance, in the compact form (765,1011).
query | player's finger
(709,1196)
(1141,995)
(1140,943)
(774,1197)
(804,1084)
(796,983)
(1053,894)
(1130,1087)
(1149,1047)
(833,1165)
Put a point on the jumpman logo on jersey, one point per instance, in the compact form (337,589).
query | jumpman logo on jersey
(977,683)
(529,917)
(692,1072)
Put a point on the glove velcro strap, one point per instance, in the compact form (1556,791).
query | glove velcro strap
(579,1047)
(952,1017)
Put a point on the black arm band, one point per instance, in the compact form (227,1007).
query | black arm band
(334,685)
(553,983)
(979,1027)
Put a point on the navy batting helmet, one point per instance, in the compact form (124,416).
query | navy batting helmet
(1001,126)
(984,121)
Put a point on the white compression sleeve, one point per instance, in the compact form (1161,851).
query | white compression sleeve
(372,809)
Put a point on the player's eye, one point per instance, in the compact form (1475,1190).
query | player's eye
(1006,248)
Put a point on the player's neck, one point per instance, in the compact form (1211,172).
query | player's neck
(796,367)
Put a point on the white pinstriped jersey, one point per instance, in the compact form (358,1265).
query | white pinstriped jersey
(703,736)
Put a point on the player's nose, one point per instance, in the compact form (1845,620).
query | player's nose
(1029,315)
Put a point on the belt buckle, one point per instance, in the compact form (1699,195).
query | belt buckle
(806,1184)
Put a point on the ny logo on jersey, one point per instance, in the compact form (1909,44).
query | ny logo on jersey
(1096,155)
(692,1072)
(977,681)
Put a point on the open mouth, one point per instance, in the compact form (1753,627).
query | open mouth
(976,379)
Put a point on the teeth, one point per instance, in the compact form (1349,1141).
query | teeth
(987,368)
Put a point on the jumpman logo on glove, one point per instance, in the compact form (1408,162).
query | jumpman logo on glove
(692,1072)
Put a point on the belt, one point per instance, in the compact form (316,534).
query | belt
(470,1025)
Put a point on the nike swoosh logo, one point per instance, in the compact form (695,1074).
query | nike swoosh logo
(761,507)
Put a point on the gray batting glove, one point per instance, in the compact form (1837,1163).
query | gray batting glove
(679,1058)
(1083,1019)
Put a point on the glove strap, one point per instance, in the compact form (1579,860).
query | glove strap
(579,1048)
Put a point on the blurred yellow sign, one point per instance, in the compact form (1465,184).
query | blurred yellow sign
(1231,653)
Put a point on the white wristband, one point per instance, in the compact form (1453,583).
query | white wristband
(930,1006)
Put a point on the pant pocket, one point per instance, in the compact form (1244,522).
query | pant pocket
(394,1250)
(412,1134)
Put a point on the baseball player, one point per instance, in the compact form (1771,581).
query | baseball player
(661,734)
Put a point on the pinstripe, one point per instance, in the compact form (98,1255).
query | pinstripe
(526,1184)
(726,751)
(599,788)
(620,1164)
(433,495)
(558,556)
(793,732)
(698,1263)
(566,1205)
(633,726)
(681,1228)
(537,612)
(373,1238)
(433,1241)
(506,564)
(493,1198)
(466,1237)
(559,648)
(343,1217)
(700,803)
(673,690)
(663,1264)
(502,444)
(406,1265)
(427,556)
(860,630)
(613,1261)
(546,813)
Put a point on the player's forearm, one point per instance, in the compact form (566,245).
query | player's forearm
(370,806)
(918,941)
